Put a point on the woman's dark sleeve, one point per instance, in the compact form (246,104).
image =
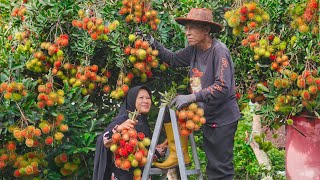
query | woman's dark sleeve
(102,161)
(103,156)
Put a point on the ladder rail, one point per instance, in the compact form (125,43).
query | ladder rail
(153,144)
(176,134)
(195,155)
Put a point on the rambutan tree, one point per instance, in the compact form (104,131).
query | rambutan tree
(281,67)
(66,65)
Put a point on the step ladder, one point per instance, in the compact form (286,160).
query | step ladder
(182,168)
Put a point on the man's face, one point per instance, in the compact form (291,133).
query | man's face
(195,33)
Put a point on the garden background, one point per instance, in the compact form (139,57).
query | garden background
(66,65)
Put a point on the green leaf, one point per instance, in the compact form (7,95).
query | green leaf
(53,113)
(3,77)
(181,87)
(17,66)
(85,117)
(86,106)
(78,125)
(262,87)
(86,136)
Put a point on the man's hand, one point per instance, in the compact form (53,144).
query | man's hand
(148,37)
(139,32)
(183,100)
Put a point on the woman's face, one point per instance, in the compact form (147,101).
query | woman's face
(143,101)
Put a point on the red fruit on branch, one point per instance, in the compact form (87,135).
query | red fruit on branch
(244,10)
(124,152)
(116,137)
(94,36)
(271,37)
(63,157)
(106,89)
(143,161)
(238,95)
(118,163)
(141,136)
(132,134)
(313,4)
(129,148)
(49,140)
(126,165)
(308,15)
(149,74)
(133,142)
(125,137)
(125,89)
(57,64)
(272,57)
(117,156)
(122,143)
(138,155)
(11,146)
(130,75)
(144,152)
(127,50)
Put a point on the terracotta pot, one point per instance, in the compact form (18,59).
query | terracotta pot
(303,151)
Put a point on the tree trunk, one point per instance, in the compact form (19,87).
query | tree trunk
(262,157)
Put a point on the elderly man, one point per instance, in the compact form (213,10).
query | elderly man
(213,87)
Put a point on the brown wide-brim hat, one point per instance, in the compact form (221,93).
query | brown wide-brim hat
(201,15)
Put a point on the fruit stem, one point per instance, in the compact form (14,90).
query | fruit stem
(23,117)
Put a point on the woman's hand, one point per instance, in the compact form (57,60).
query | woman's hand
(128,124)
(162,148)
(106,141)
(163,145)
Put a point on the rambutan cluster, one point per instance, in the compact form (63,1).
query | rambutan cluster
(29,164)
(44,134)
(23,43)
(25,165)
(88,78)
(122,86)
(130,150)
(19,12)
(190,119)
(95,26)
(246,18)
(66,166)
(48,97)
(142,56)
(139,11)
(43,60)
(306,87)
(268,50)
(13,90)
(305,17)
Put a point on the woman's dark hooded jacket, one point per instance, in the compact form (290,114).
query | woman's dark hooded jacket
(103,160)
